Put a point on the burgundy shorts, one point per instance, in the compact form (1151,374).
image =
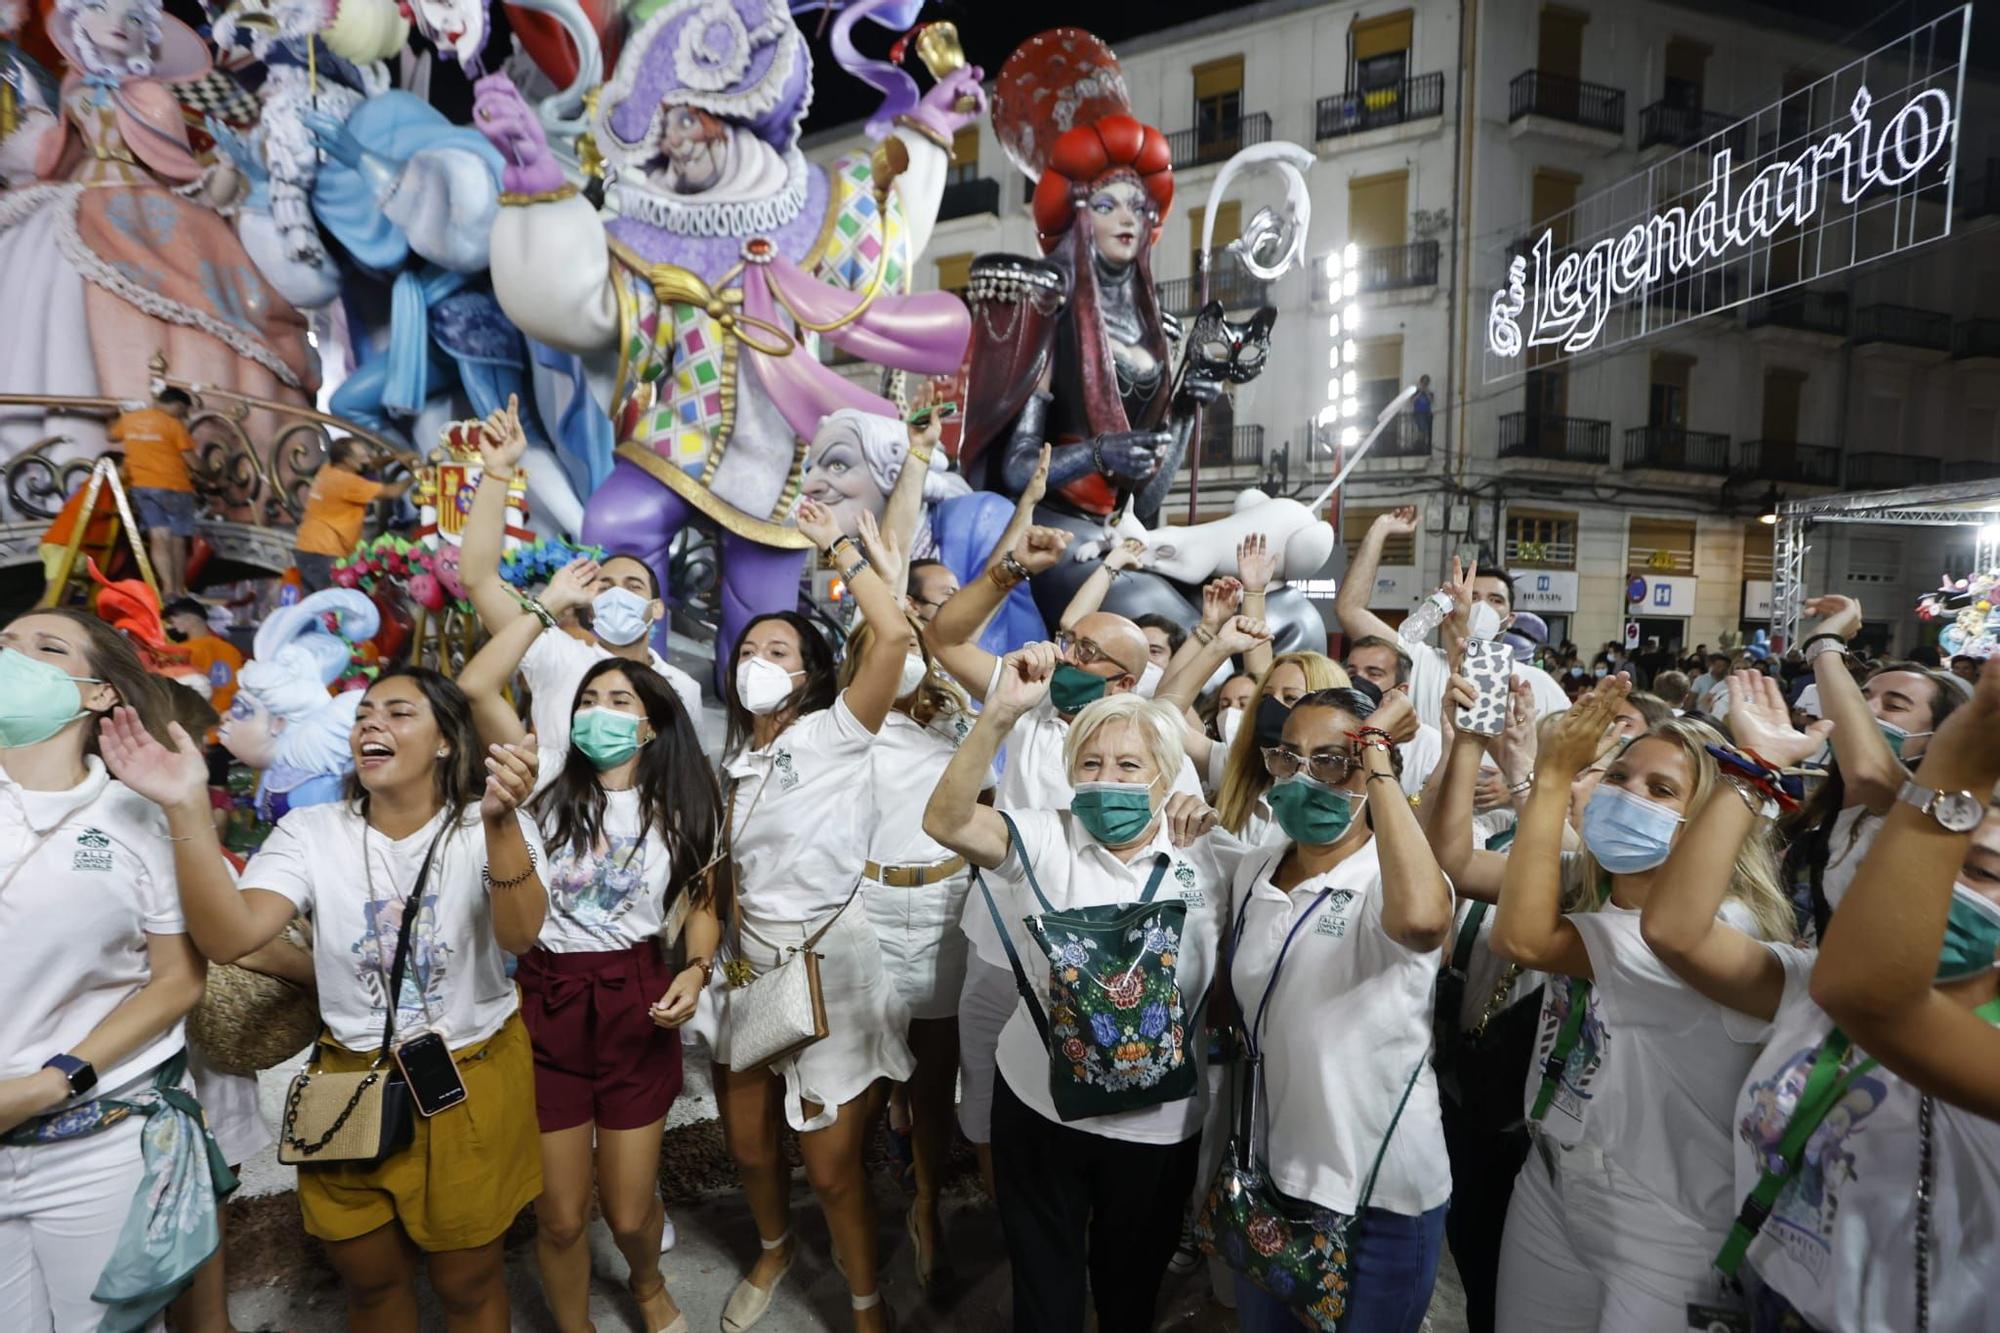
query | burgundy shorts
(598,1055)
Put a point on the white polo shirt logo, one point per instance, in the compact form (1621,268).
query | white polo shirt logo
(93,851)
(1332,922)
(1185,877)
(788,777)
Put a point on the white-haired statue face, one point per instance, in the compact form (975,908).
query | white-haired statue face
(115,36)
(838,475)
(249,731)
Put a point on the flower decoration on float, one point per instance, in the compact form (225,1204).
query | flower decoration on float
(1340,418)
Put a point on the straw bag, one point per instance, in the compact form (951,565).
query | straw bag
(247,1021)
(362,1115)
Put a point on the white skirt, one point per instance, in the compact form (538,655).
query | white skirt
(923,950)
(867,1022)
(229,1105)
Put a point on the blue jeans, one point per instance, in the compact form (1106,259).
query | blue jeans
(1394,1267)
(164,511)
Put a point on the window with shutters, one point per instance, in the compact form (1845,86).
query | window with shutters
(1756,550)
(1378,373)
(1540,539)
(954,272)
(1381,50)
(1551,196)
(1560,48)
(964,157)
(1354,525)
(1378,209)
(1218,100)
(1660,546)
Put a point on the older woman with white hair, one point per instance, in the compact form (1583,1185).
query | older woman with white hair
(856,459)
(1117,902)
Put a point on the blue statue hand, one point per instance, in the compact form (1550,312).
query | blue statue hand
(237,148)
(339,143)
(1198,390)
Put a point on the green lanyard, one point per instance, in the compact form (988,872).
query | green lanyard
(1826,1084)
(1572,1030)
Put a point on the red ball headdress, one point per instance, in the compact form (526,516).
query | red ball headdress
(1086,157)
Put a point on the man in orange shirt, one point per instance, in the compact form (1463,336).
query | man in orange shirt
(156,439)
(335,508)
(216,658)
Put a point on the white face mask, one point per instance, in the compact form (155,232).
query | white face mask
(914,671)
(618,617)
(1149,680)
(1482,622)
(763,685)
(1229,721)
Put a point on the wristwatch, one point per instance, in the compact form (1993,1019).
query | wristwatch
(1955,811)
(76,1071)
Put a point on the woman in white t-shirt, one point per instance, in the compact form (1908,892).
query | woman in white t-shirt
(798,811)
(1333,967)
(1096,1198)
(422,789)
(1617,1214)
(96,968)
(631,818)
(1833,1235)
(914,891)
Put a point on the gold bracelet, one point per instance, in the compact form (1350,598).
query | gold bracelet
(555,196)
(916,126)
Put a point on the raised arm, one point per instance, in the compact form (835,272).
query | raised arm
(953,633)
(1416,900)
(514,879)
(1868,766)
(484,679)
(954,817)
(1877,968)
(501,443)
(1256,566)
(1474,871)
(1350,603)
(872,692)
(906,505)
(1679,922)
(1189,670)
(1089,595)
(1530,928)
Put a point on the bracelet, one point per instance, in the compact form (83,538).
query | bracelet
(922,456)
(853,571)
(1113,570)
(1390,776)
(1204,635)
(917,127)
(504,475)
(1523,787)
(486,873)
(1007,572)
(1760,805)
(833,547)
(555,196)
(1834,644)
(1744,765)
(1373,737)
(707,966)
(534,607)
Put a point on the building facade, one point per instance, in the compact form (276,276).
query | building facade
(1444,132)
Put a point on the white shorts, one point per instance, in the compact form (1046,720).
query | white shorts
(867,1023)
(62,1207)
(986,1002)
(923,950)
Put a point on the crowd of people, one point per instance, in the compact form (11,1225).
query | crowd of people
(1668,1004)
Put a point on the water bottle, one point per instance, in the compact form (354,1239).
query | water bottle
(1430,613)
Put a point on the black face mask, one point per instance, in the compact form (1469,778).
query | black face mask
(1271,715)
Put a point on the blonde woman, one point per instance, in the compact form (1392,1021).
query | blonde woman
(1618,1214)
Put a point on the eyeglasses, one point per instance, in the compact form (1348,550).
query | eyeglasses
(1086,653)
(1328,766)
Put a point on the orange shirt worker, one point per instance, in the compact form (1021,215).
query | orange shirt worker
(156,443)
(336,506)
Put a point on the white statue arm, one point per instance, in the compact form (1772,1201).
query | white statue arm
(921,186)
(552,274)
(444,202)
(307,284)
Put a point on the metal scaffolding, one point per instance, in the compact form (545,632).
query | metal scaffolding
(1963,504)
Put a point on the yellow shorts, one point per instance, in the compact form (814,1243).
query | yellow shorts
(464,1177)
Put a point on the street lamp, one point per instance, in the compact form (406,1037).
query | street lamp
(1767,509)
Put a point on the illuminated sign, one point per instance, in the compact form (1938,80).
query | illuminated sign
(1830,177)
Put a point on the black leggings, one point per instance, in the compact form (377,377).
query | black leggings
(1074,1204)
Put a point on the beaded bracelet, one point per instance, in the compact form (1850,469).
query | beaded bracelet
(1374,736)
(486,873)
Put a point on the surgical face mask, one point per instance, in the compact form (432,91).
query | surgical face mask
(1971,935)
(1071,688)
(1227,723)
(1897,737)
(37,699)
(1601,672)
(763,685)
(618,616)
(604,736)
(1627,833)
(1149,680)
(1114,813)
(915,669)
(1311,812)
(1482,621)
(1271,715)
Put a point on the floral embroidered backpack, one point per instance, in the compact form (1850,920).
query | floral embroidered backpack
(1115,1026)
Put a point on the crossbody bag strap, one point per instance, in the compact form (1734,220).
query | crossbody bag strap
(1468,935)
(1375,1167)
(1021,982)
(1160,862)
(413,907)
(1566,1040)
(820,934)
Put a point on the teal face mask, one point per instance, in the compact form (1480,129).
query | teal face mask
(1971,935)
(1310,812)
(605,737)
(1115,813)
(37,699)
(1896,736)
(1072,688)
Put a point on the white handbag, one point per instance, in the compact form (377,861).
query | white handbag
(781,1012)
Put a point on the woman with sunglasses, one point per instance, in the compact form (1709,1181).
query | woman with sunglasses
(1617,1214)
(1333,964)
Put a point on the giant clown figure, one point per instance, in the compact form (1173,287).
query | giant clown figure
(692,305)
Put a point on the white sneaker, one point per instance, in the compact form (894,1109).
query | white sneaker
(667,1233)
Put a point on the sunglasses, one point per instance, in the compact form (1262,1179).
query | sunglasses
(1328,766)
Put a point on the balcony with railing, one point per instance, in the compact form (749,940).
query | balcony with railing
(1782,460)
(1659,560)
(1805,311)
(1672,449)
(1972,469)
(965,198)
(1408,435)
(1359,110)
(1684,127)
(1392,268)
(1905,326)
(1540,555)
(1230,285)
(1201,145)
(1233,447)
(1976,338)
(1562,439)
(1882,470)
(1592,106)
